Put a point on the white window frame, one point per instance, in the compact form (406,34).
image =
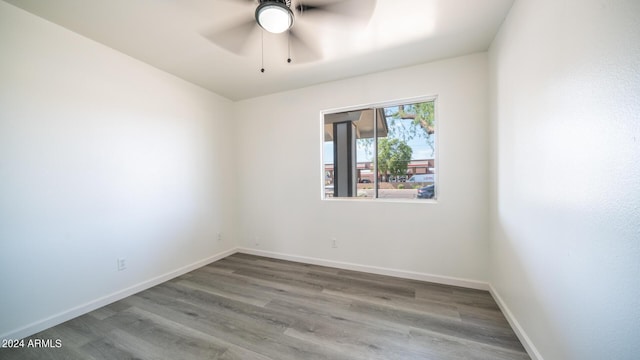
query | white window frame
(383,104)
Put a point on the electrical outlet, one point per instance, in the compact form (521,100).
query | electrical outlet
(334,242)
(256,241)
(122,264)
(219,236)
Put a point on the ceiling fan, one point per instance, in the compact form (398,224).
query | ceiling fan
(282,16)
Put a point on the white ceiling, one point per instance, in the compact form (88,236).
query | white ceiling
(171,35)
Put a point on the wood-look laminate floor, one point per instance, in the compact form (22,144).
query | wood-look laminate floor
(254,308)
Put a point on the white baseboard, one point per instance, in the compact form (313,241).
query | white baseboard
(515,325)
(66,315)
(446,280)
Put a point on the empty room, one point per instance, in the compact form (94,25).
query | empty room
(320,179)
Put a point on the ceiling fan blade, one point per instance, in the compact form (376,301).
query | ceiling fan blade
(354,9)
(303,8)
(235,38)
(301,51)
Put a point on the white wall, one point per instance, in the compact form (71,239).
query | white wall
(101,156)
(565,175)
(280,176)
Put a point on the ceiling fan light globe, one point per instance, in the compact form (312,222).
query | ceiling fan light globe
(274,17)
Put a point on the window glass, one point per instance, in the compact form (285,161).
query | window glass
(381,152)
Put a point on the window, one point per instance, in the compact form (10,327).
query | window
(381,152)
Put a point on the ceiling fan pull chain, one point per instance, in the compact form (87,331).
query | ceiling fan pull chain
(289,46)
(262,51)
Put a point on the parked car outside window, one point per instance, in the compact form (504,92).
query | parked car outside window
(427,192)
